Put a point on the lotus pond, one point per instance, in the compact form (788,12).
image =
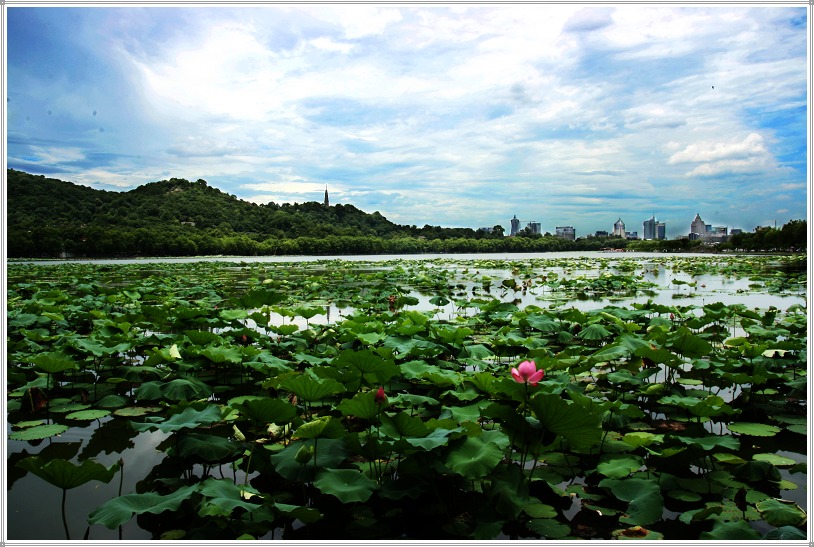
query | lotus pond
(374,399)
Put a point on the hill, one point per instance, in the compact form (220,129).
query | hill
(49,217)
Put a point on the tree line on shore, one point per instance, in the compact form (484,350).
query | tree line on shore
(52,218)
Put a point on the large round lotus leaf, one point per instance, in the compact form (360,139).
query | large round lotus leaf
(774,459)
(363,405)
(580,427)
(265,410)
(619,466)
(136,411)
(736,530)
(112,401)
(474,458)
(781,512)
(38,432)
(310,389)
(754,429)
(349,485)
(69,407)
(90,414)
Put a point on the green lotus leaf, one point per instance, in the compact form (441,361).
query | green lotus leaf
(185,389)
(29,423)
(687,344)
(580,427)
(132,411)
(329,453)
(189,418)
(209,449)
(362,405)
(785,533)
(636,533)
(349,485)
(117,511)
(779,512)
(684,495)
(594,331)
(322,427)
(644,497)
(538,510)
(265,410)
(735,530)
(549,528)
(53,362)
(91,414)
(66,475)
(224,496)
(437,437)
(402,425)
(112,401)
(754,429)
(474,458)
(222,354)
(68,407)
(774,459)
(710,442)
(619,466)
(38,432)
(310,389)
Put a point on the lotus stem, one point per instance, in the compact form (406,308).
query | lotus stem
(64,518)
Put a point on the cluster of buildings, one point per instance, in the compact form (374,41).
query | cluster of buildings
(651,229)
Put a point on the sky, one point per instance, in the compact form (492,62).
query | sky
(448,115)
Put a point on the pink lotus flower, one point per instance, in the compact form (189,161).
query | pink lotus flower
(527,373)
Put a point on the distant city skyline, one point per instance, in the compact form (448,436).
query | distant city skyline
(458,116)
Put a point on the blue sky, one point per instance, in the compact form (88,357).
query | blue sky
(459,116)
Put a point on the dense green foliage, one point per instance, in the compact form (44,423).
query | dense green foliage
(400,420)
(176,217)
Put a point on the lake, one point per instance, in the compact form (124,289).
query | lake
(321,294)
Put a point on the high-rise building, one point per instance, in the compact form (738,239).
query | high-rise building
(534,227)
(566,232)
(619,228)
(698,226)
(653,229)
(325,203)
(661,230)
(515,225)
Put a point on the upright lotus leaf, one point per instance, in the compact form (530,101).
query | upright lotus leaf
(189,418)
(265,410)
(403,425)
(509,492)
(322,427)
(117,511)
(684,342)
(66,475)
(185,389)
(329,453)
(54,362)
(349,485)
(474,458)
(367,362)
(308,312)
(223,496)
(208,449)
(580,427)
(222,354)
(310,389)
(594,331)
(363,405)
(644,497)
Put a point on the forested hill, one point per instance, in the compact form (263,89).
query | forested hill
(49,217)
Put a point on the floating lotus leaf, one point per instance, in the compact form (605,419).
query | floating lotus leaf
(91,414)
(785,533)
(68,407)
(754,429)
(774,459)
(133,411)
(38,432)
(349,485)
(549,528)
(779,512)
